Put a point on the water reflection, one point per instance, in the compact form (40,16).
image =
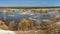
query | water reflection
(16,15)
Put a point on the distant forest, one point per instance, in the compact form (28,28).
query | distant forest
(30,7)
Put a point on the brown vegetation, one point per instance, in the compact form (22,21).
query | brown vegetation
(25,24)
(12,25)
(3,25)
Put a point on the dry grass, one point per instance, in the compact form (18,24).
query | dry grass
(32,32)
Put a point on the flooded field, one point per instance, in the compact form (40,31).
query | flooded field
(30,21)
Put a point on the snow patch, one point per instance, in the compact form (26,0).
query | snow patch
(6,32)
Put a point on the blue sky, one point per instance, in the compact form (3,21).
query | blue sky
(29,2)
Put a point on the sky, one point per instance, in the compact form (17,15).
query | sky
(29,3)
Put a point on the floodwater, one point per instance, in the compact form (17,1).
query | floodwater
(19,15)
